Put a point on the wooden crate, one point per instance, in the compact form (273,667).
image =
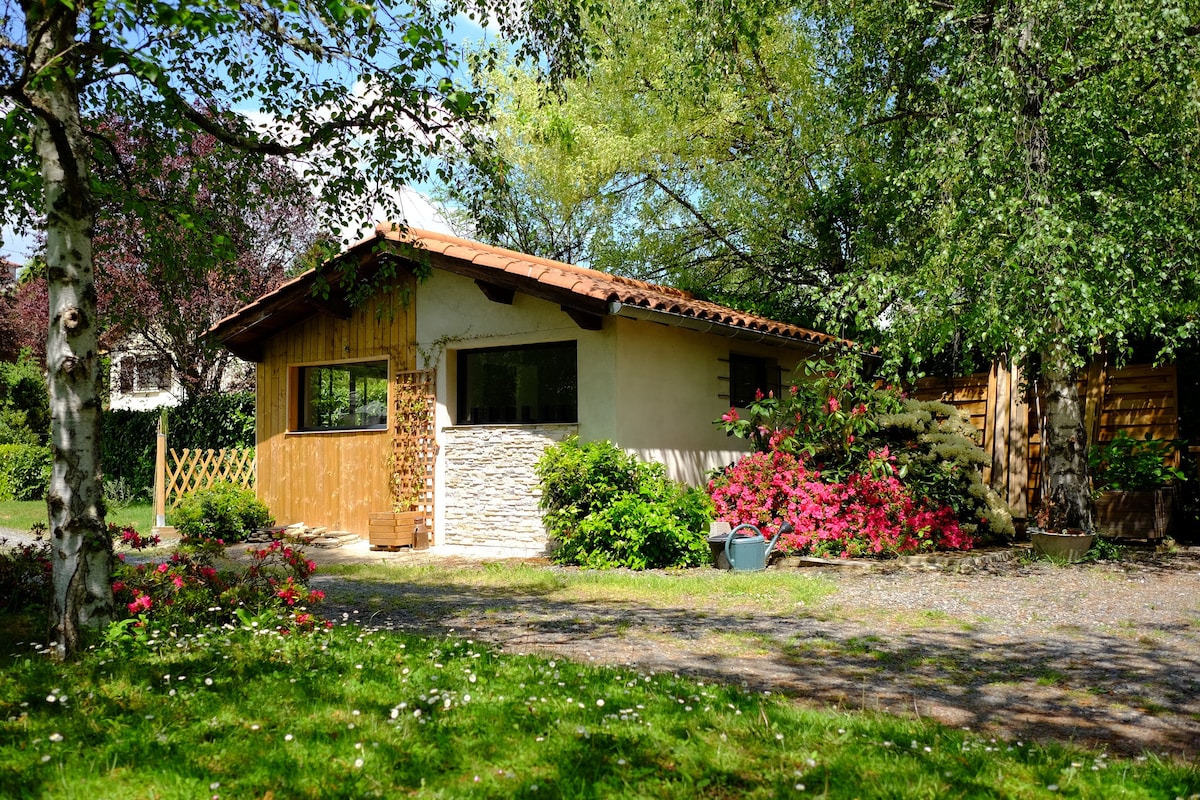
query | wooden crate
(398,529)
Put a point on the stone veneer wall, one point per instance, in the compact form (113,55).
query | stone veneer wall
(491,492)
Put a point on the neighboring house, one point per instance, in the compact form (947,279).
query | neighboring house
(140,378)
(517,352)
(8,272)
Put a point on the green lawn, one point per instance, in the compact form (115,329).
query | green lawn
(22,515)
(353,713)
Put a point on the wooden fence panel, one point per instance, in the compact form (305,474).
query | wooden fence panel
(191,470)
(1138,399)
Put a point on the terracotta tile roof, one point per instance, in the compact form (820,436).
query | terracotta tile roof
(593,293)
(592,284)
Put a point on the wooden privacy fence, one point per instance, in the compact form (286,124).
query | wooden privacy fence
(178,473)
(1139,399)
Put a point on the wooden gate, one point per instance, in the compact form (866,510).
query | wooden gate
(414,446)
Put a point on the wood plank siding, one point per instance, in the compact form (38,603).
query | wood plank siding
(1139,399)
(334,479)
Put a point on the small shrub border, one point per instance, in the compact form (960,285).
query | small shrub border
(222,511)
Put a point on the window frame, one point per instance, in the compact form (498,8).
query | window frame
(765,366)
(299,394)
(463,411)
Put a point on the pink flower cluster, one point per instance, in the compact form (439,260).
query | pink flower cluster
(865,515)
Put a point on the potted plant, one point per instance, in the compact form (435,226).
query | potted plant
(1051,536)
(1135,486)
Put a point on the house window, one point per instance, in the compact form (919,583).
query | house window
(144,373)
(528,384)
(339,397)
(749,375)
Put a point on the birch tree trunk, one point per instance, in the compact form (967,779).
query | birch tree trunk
(1065,483)
(81,547)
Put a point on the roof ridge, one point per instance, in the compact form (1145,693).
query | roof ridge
(390,230)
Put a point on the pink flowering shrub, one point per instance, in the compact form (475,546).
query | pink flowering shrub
(864,515)
(190,589)
(843,426)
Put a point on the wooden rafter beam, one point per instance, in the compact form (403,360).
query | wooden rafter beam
(497,294)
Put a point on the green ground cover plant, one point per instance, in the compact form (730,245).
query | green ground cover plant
(774,589)
(239,711)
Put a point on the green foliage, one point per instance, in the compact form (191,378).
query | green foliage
(223,512)
(1040,163)
(24,471)
(1127,464)
(24,576)
(199,423)
(604,508)
(24,402)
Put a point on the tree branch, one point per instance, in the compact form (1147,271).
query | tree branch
(708,226)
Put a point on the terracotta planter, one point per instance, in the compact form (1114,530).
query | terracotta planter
(398,529)
(1068,546)
(1135,515)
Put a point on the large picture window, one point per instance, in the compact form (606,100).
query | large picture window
(337,397)
(749,375)
(528,384)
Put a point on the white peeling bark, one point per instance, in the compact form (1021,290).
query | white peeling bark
(1065,480)
(81,548)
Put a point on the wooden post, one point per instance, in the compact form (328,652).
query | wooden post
(1018,446)
(1097,385)
(160,472)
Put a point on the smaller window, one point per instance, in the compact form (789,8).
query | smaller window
(143,373)
(339,397)
(749,375)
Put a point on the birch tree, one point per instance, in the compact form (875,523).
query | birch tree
(1044,171)
(360,94)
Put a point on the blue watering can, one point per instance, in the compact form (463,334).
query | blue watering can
(746,549)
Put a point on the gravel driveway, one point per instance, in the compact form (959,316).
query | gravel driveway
(1103,655)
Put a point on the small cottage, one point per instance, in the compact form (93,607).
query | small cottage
(441,393)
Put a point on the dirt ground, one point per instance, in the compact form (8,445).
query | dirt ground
(1103,655)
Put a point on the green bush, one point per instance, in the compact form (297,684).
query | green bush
(605,508)
(24,471)
(24,402)
(222,511)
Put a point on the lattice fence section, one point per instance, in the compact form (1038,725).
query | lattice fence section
(414,446)
(192,470)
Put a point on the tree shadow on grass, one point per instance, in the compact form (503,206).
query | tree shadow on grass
(1125,691)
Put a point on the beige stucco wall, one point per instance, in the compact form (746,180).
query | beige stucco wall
(670,388)
(652,389)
